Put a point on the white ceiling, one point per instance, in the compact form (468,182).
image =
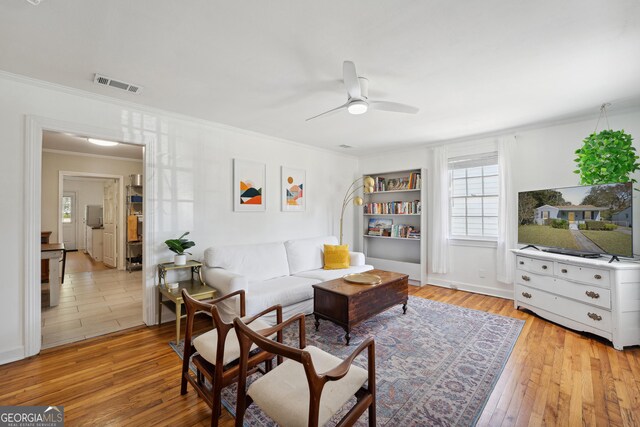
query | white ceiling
(79,144)
(471,67)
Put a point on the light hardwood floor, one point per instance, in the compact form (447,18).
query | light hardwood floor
(553,377)
(93,303)
(80,262)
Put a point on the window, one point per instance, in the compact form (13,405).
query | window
(66,209)
(473,198)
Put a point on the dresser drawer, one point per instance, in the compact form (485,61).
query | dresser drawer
(590,294)
(592,276)
(588,315)
(535,265)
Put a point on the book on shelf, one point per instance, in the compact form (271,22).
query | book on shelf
(411,182)
(405,231)
(393,208)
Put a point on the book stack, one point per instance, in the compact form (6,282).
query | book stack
(405,231)
(395,208)
(379,227)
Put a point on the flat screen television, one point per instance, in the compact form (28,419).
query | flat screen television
(583,221)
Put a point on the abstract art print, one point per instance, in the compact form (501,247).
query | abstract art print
(249,181)
(293,188)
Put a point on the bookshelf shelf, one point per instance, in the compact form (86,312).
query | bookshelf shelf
(394,191)
(389,237)
(408,217)
(368,214)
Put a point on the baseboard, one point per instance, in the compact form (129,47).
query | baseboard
(8,356)
(469,287)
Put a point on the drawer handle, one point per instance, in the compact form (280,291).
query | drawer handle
(594,316)
(526,294)
(564,270)
(597,276)
(544,267)
(526,278)
(521,262)
(592,294)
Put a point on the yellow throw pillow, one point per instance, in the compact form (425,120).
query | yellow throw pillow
(336,257)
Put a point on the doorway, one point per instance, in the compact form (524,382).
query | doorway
(97,295)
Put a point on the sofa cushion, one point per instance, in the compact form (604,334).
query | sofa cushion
(282,290)
(324,275)
(257,262)
(307,254)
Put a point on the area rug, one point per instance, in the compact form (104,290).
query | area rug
(435,365)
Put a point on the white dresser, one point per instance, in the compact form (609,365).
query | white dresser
(94,243)
(590,295)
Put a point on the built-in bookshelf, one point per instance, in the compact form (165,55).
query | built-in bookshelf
(393,223)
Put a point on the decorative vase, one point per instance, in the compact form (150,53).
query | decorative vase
(180,259)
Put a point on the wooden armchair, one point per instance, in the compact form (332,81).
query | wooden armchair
(216,352)
(310,386)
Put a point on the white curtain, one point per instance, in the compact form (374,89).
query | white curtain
(440,221)
(507,212)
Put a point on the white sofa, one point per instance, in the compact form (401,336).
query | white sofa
(273,273)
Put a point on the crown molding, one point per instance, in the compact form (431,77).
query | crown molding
(177,117)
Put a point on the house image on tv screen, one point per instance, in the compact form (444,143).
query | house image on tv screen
(573,214)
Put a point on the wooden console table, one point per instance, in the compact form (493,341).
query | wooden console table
(53,253)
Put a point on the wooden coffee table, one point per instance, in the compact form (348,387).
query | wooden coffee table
(347,304)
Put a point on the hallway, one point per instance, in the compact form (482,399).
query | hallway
(92,304)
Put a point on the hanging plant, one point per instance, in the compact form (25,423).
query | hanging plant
(606,157)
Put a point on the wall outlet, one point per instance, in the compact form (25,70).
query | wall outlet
(482,273)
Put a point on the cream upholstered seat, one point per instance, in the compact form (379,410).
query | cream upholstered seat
(310,386)
(288,383)
(207,344)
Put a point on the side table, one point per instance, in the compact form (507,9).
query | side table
(195,286)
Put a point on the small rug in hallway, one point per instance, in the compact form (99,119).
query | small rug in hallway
(435,366)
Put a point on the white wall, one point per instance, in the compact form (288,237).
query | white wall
(88,192)
(544,159)
(190,165)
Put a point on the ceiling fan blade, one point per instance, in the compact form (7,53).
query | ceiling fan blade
(326,113)
(395,107)
(351,79)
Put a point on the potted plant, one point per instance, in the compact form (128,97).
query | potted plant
(606,157)
(179,247)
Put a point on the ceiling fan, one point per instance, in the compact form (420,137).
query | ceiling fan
(358,101)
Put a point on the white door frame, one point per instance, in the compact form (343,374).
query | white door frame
(34,126)
(120,215)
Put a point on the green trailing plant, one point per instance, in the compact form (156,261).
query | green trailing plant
(180,245)
(607,157)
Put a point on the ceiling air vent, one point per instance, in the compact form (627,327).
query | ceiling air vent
(345,146)
(118,84)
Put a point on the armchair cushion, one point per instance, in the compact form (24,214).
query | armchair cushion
(283,393)
(207,343)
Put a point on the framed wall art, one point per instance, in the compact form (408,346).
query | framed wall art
(249,182)
(293,188)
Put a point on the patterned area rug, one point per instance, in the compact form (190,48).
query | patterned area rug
(435,366)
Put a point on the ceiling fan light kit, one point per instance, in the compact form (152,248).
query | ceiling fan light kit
(357,107)
(358,96)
